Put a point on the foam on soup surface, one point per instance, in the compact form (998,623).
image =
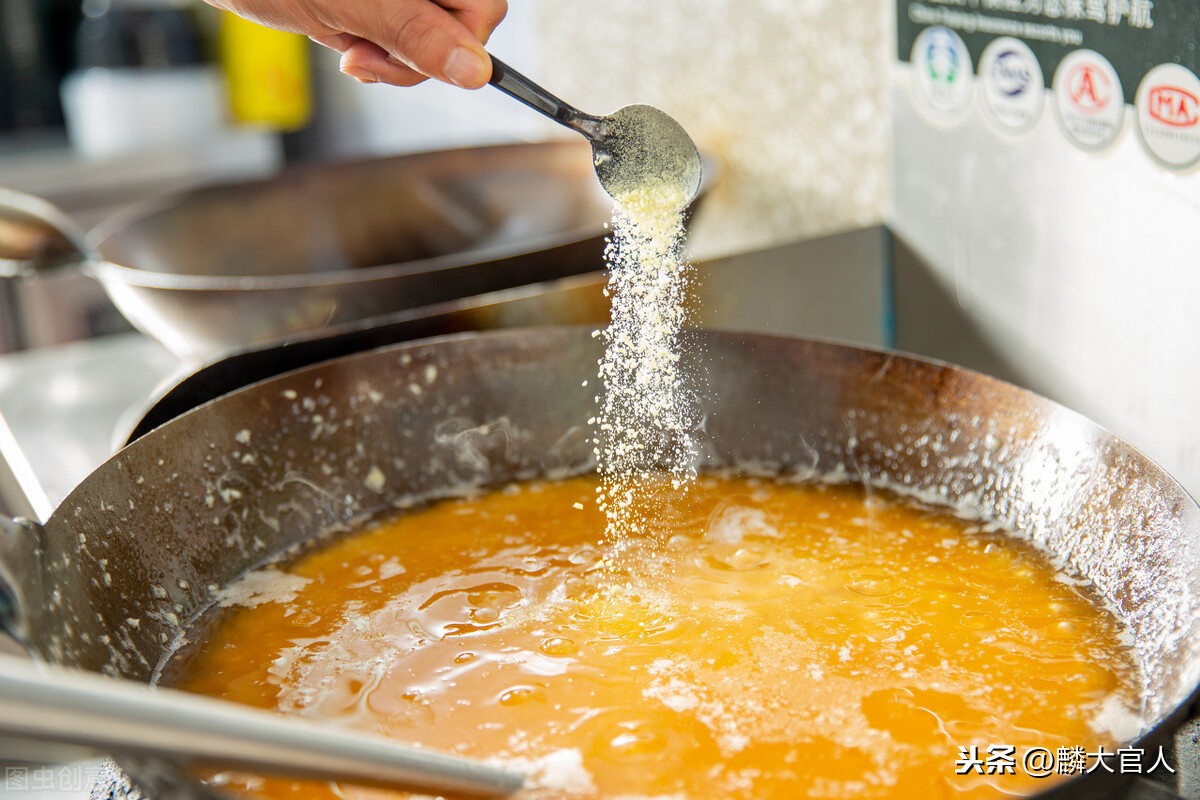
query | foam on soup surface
(782,640)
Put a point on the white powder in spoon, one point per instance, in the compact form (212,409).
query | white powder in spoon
(643,435)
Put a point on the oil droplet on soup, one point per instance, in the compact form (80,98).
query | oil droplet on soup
(786,641)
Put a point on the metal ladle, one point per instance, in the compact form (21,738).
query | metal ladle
(52,714)
(634,148)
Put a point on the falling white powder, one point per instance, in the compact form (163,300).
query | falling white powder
(647,411)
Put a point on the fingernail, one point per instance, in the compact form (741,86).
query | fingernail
(465,68)
(361,75)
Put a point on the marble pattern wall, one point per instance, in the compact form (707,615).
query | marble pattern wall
(787,94)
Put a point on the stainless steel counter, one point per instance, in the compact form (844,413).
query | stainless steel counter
(59,410)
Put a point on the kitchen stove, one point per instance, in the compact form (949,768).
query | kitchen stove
(64,410)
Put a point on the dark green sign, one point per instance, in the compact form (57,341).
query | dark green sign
(1135,35)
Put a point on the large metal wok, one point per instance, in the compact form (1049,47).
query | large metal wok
(139,549)
(225,266)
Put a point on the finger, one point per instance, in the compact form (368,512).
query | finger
(370,63)
(423,36)
(479,16)
(336,41)
(279,14)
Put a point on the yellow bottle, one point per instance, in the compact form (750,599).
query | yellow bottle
(267,72)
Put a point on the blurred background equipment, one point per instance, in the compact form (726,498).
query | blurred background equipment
(267,74)
(32,62)
(143,79)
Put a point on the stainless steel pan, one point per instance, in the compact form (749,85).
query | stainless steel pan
(138,550)
(226,266)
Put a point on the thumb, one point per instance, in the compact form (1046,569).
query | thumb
(429,39)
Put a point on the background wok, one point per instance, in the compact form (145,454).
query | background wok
(221,267)
(140,548)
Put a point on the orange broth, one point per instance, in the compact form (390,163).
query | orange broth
(782,640)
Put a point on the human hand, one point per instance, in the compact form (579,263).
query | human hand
(401,42)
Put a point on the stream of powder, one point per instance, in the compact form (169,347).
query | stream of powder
(648,408)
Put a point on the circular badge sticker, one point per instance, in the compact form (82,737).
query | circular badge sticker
(1013,87)
(942,76)
(1089,100)
(1168,115)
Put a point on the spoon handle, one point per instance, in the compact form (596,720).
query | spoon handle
(517,86)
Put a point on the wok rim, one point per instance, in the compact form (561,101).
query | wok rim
(824,342)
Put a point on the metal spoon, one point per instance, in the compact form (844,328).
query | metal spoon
(53,714)
(636,147)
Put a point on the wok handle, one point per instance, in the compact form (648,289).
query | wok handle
(35,235)
(20,575)
(55,707)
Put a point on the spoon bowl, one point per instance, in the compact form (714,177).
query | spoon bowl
(643,148)
(637,149)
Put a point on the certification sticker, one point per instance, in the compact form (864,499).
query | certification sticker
(1013,87)
(1168,115)
(1089,100)
(942,74)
